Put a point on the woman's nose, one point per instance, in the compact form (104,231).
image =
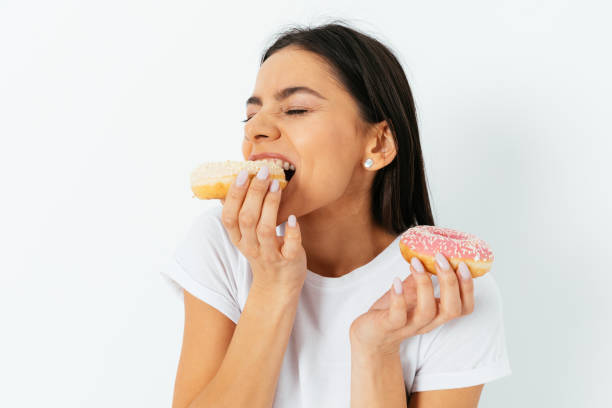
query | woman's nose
(260,129)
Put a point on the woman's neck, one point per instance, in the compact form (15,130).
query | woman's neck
(336,248)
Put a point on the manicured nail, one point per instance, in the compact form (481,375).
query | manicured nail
(397,284)
(274,186)
(442,262)
(464,271)
(292,220)
(242,177)
(417,265)
(263,173)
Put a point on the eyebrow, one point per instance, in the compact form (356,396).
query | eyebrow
(285,93)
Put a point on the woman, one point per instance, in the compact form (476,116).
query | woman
(308,318)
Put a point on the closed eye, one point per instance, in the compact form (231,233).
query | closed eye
(289,112)
(296,111)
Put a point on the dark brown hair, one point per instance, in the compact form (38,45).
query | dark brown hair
(371,73)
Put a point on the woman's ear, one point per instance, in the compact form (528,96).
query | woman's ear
(380,146)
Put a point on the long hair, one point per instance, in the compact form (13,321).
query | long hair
(371,73)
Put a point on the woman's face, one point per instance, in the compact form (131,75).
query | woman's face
(324,142)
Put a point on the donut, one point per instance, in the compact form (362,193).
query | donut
(213,179)
(424,241)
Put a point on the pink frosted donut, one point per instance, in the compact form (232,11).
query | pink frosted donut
(424,241)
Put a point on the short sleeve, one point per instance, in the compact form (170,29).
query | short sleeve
(204,264)
(468,350)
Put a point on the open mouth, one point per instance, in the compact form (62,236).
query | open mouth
(289,174)
(285,165)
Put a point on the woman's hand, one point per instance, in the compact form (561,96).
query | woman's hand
(395,317)
(249,216)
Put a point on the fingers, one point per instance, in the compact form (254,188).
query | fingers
(426,305)
(462,304)
(266,229)
(451,303)
(450,298)
(397,316)
(293,238)
(466,285)
(232,204)
(456,298)
(249,214)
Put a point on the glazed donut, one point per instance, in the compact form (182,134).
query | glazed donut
(424,241)
(213,179)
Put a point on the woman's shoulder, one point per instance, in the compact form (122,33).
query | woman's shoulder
(211,214)
(487,311)
(210,224)
(206,264)
(487,294)
(207,233)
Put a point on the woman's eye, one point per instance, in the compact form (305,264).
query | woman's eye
(296,111)
(289,112)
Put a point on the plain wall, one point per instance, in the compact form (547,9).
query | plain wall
(106,107)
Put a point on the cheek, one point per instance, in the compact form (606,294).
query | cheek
(326,175)
(324,138)
(246,149)
(328,152)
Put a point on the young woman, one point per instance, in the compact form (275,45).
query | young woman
(288,294)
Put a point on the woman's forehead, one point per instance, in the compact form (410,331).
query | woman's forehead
(287,68)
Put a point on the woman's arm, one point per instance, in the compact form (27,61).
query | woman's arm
(378,381)
(466,397)
(249,373)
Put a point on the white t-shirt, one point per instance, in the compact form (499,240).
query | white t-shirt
(316,372)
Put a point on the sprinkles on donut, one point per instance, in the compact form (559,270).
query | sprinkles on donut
(424,241)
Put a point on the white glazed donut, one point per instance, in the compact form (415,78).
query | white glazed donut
(213,179)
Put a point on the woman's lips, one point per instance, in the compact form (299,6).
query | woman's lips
(272,156)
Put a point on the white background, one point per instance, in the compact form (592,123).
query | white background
(106,107)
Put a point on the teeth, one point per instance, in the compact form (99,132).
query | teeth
(285,165)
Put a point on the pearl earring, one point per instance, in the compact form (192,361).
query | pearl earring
(368,163)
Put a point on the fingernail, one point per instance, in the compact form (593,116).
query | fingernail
(442,262)
(397,284)
(242,176)
(417,265)
(464,271)
(262,173)
(292,220)
(274,186)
